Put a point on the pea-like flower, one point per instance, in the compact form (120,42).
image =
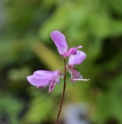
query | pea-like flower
(61,44)
(44,78)
(76,60)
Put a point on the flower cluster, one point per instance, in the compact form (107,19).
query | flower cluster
(43,78)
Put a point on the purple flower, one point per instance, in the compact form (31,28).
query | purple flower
(61,44)
(44,78)
(76,60)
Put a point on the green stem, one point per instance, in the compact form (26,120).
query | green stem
(62,99)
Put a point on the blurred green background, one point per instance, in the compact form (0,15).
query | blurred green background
(26,46)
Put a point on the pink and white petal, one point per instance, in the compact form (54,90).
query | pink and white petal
(71,51)
(77,59)
(58,79)
(76,74)
(53,81)
(38,82)
(60,41)
(42,74)
(81,79)
(52,85)
(79,47)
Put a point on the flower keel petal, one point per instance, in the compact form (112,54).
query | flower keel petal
(52,85)
(71,51)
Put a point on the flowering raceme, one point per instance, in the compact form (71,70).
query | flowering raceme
(43,78)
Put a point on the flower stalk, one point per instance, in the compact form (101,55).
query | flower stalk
(63,94)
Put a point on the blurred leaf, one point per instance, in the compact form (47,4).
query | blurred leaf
(40,108)
(47,56)
(10,108)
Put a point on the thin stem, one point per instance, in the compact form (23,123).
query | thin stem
(64,87)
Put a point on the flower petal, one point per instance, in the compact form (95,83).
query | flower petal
(52,85)
(77,59)
(60,41)
(79,47)
(38,82)
(74,74)
(42,74)
(53,81)
(71,51)
(81,79)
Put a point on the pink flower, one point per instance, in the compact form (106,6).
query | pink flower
(44,78)
(61,44)
(76,60)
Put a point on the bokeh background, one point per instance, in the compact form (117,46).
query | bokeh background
(26,46)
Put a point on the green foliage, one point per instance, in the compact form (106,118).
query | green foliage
(40,106)
(10,108)
(109,104)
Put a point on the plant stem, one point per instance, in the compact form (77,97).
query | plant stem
(62,99)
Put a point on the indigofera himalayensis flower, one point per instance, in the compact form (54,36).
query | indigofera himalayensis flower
(44,78)
(61,44)
(73,61)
